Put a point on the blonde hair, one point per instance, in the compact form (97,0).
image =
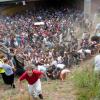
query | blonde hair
(29,67)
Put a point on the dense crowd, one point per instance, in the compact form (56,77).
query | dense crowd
(54,41)
(46,40)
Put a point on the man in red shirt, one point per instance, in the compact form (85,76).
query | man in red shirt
(34,83)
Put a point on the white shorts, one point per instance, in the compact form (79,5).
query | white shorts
(35,89)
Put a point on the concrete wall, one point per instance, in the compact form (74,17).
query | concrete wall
(10,10)
(95,5)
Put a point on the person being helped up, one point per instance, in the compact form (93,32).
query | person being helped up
(8,75)
(1,62)
(34,83)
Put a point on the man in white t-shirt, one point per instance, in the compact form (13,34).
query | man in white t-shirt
(97,63)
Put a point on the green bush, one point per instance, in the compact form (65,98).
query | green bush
(87,85)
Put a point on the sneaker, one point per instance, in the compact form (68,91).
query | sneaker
(13,85)
(40,96)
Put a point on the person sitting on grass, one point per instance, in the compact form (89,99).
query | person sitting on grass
(34,83)
(8,75)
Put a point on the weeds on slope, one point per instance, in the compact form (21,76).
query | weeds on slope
(87,85)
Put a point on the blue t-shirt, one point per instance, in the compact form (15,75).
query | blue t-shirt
(7,68)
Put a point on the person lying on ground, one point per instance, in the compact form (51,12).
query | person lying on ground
(63,74)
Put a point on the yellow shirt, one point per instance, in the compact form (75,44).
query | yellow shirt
(1,69)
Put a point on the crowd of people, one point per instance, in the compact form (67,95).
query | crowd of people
(51,47)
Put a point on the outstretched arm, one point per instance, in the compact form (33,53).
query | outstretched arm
(20,86)
(21,78)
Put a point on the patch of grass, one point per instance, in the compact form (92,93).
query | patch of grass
(52,90)
(87,85)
